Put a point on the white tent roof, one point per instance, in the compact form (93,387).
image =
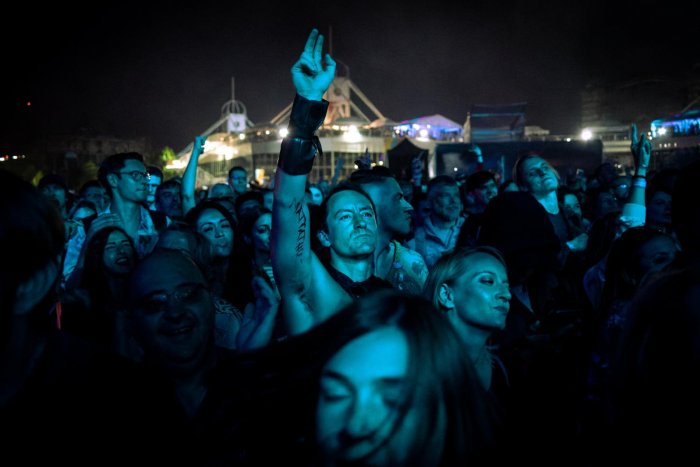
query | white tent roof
(436,120)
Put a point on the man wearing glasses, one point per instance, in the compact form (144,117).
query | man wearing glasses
(125,179)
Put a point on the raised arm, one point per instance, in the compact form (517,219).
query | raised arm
(479,157)
(634,211)
(293,263)
(339,163)
(189,178)
(259,317)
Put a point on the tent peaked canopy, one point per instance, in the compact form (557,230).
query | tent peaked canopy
(436,120)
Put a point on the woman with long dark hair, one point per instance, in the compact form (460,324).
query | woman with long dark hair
(386,381)
(95,310)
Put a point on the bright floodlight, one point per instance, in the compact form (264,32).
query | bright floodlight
(352,134)
(586,134)
(284,132)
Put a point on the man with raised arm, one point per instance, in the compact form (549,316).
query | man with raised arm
(312,292)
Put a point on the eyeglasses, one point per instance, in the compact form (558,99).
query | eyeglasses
(136,175)
(158,302)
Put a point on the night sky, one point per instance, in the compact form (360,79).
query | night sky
(134,70)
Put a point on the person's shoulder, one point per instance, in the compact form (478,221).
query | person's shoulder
(411,261)
(406,254)
(86,221)
(160,220)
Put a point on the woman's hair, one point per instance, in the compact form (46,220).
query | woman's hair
(441,386)
(239,283)
(95,276)
(193,214)
(451,267)
(248,223)
(219,272)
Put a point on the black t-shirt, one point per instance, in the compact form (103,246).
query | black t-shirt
(358,289)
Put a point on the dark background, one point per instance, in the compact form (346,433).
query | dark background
(163,72)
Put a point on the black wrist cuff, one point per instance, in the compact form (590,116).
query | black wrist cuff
(297,155)
(300,146)
(306,117)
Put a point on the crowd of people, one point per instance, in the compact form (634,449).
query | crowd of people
(367,321)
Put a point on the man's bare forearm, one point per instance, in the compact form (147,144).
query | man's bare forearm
(290,246)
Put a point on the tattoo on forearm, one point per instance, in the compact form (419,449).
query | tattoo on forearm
(301,228)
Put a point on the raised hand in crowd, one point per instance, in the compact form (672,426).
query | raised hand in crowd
(417,171)
(641,151)
(634,212)
(338,171)
(310,77)
(364,162)
(189,177)
(259,317)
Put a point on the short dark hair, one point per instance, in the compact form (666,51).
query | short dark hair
(345,185)
(441,180)
(53,179)
(478,179)
(153,170)
(376,174)
(247,196)
(237,167)
(114,164)
(87,185)
(170,183)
